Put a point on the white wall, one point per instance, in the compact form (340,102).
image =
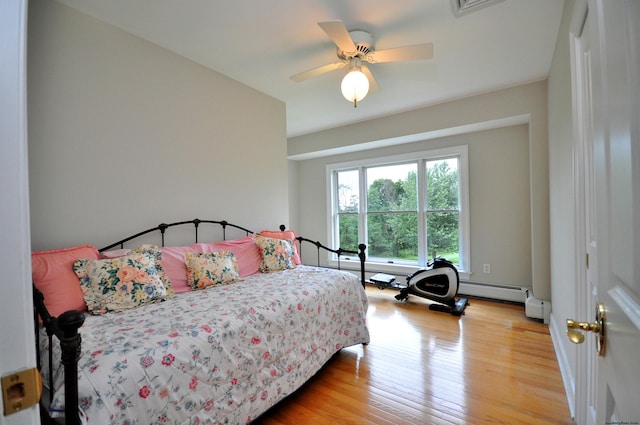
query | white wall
(125,135)
(293,195)
(517,257)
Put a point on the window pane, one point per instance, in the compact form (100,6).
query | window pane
(348,191)
(442,184)
(443,236)
(392,188)
(393,235)
(348,228)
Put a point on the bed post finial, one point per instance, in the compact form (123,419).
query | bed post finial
(282,227)
(196,223)
(162,227)
(361,249)
(224,223)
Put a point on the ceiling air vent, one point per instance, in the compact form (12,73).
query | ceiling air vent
(462,7)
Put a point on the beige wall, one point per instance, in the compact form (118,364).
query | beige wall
(499,198)
(124,135)
(509,203)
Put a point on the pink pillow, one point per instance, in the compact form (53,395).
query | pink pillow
(245,250)
(285,234)
(173,261)
(52,273)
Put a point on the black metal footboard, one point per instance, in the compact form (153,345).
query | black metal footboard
(339,253)
(65,327)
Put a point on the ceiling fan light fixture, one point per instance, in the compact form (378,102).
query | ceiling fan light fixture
(355,85)
(356,47)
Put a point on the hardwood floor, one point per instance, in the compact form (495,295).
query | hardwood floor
(490,366)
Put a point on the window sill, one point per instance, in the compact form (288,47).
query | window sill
(394,269)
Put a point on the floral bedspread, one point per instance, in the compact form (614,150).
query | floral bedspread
(222,355)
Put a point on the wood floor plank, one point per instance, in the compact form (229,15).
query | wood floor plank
(490,366)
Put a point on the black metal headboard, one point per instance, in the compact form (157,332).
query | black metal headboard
(163,227)
(196,222)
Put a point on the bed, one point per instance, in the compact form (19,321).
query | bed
(220,353)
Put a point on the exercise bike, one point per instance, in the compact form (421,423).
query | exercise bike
(439,282)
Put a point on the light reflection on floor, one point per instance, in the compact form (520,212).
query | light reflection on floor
(492,365)
(427,367)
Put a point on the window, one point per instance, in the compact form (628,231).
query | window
(406,208)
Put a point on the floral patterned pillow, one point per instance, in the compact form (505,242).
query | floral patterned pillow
(211,269)
(121,283)
(277,254)
(157,256)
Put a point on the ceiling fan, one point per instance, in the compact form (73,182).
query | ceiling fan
(354,48)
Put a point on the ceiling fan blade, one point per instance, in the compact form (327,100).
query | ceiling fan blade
(407,53)
(373,84)
(339,34)
(316,71)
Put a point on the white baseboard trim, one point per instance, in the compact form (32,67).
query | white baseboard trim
(557,336)
(494,292)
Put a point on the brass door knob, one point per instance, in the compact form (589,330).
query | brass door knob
(575,329)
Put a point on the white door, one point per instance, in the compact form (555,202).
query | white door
(614,25)
(17,350)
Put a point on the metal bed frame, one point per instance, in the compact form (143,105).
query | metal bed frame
(65,327)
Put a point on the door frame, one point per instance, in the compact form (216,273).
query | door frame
(585,359)
(16,303)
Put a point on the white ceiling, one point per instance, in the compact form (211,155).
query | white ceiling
(261,43)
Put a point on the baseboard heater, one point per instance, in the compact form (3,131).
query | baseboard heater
(533,307)
(493,291)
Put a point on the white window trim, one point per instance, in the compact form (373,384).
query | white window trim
(403,269)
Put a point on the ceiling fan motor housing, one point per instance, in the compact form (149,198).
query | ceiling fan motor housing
(364,44)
